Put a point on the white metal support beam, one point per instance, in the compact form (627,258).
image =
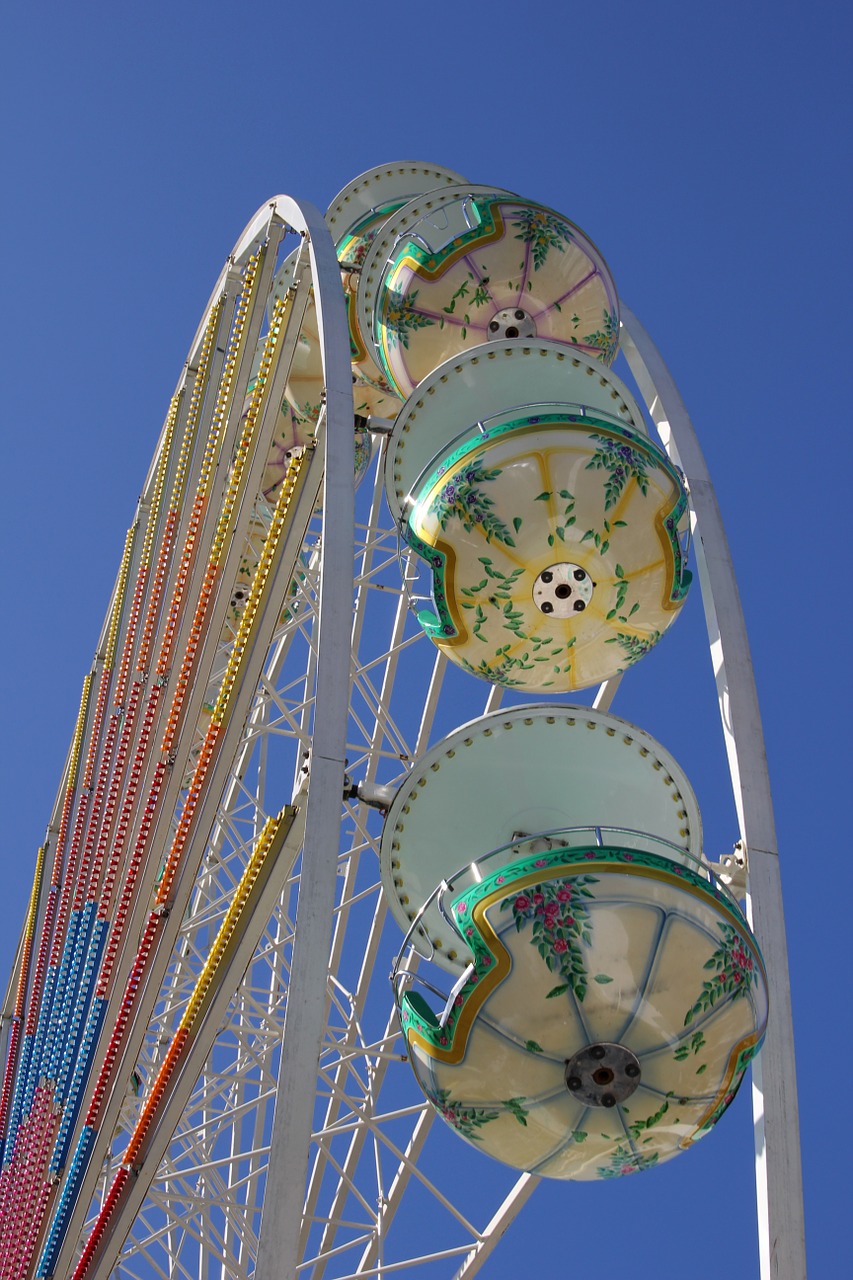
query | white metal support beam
(494,1232)
(306,1004)
(778,1171)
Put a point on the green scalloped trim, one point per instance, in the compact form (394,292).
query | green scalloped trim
(432,262)
(442,625)
(502,879)
(431,259)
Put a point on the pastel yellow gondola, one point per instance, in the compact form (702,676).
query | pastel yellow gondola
(608,992)
(471,264)
(550,525)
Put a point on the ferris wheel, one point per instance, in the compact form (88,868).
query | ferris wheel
(400,515)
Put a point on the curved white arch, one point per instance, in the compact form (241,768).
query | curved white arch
(777,1140)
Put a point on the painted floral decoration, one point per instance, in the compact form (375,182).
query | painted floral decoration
(623,461)
(402,317)
(559,914)
(607,338)
(634,647)
(735,973)
(466,1119)
(624,1161)
(541,231)
(462,499)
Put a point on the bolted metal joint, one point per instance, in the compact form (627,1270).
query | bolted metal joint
(733,869)
(374,794)
(602,1075)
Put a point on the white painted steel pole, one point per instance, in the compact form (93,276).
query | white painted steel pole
(305,1016)
(777,1138)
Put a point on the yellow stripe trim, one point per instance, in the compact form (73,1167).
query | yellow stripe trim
(118,600)
(268,845)
(196,398)
(288,488)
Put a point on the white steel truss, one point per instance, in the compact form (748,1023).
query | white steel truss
(294,1136)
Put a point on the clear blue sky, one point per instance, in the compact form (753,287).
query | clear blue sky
(706,150)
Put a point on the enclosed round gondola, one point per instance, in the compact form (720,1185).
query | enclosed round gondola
(471,264)
(608,991)
(549,525)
